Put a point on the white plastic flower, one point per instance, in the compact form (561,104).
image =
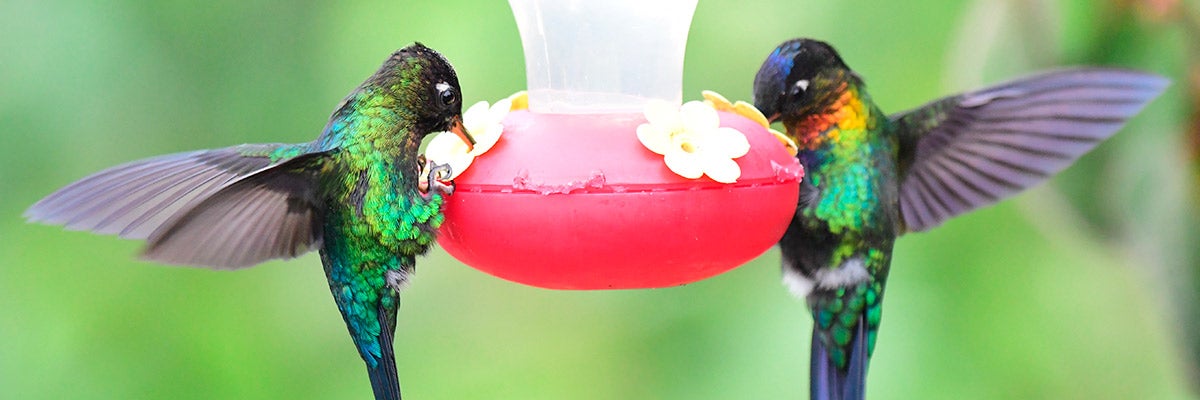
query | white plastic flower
(720,103)
(692,142)
(483,124)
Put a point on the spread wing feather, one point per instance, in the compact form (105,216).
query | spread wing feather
(968,151)
(229,207)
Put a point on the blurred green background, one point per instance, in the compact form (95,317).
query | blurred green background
(1083,288)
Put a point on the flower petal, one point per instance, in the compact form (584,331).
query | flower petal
(697,116)
(662,114)
(447,148)
(727,143)
(718,102)
(486,139)
(475,115)
(749,111)
(722,170)
(458,165)
(520,101)
(787,141)
(684,164)
(654,138)
(499,110)
(444,145)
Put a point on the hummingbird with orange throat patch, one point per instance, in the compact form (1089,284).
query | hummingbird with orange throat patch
(871,177)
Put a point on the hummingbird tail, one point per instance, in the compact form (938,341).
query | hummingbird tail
(385,382)
(829,382)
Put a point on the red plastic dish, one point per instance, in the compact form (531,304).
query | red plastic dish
(576,202)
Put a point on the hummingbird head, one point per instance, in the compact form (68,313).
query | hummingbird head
(800,77)
(424,84)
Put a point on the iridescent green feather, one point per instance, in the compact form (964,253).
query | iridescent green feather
(384,221)
(850,169)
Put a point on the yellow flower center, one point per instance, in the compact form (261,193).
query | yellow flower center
(684,139)
(688,147)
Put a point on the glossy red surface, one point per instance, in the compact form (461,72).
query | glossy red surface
(576,202)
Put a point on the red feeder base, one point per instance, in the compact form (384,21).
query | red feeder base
(576,202)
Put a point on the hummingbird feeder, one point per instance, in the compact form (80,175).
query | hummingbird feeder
(578,194)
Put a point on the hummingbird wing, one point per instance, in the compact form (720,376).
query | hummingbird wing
(272,213)
(967,151)
(134,200)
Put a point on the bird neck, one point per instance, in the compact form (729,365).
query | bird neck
(844,122)
(372,122)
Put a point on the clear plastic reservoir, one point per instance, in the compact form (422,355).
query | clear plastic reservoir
(602,56)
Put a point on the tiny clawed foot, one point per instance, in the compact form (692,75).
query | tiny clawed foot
(445,188)
(434,183)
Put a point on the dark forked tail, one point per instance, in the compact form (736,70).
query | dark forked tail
(385,382)
(827,381)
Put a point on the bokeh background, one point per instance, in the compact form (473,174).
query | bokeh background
(1083,288)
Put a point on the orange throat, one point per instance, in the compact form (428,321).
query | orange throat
(815,130)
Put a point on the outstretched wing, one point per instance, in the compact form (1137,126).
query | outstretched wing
(967,151)
(272,213)
(137,199)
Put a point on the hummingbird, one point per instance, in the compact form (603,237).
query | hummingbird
(871,177)
(354,193)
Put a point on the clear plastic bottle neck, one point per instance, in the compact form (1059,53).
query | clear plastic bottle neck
(602,56)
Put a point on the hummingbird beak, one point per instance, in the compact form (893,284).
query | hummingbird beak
(456,126)
(774,117)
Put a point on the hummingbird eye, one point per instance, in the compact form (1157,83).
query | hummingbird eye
(446,94)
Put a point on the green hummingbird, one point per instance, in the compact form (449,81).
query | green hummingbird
(354,193)
(871,177)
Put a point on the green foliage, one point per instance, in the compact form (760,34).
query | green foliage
(1064,292)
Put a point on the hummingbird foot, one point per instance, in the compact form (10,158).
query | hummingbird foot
(434,182)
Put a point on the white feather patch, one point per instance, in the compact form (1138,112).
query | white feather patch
(397,279)
(797,283)
(851,272)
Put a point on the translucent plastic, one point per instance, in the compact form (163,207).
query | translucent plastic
(602,56)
